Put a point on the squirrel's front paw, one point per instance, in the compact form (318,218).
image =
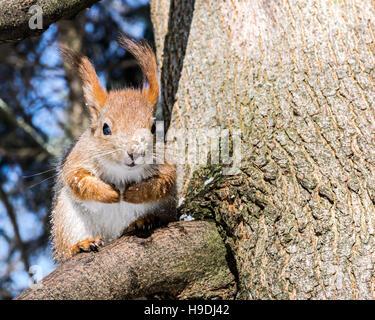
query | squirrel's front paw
(87,245)
(109,195)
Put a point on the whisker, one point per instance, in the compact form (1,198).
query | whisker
(38,174)
(60,166)
(34,185)
(95,157)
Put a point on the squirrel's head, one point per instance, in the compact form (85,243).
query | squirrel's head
(122,121)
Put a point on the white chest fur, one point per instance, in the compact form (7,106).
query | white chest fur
(89,219)
(110,220)
(119,174)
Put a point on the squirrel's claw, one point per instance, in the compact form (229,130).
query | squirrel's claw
(145,223)
(87,245)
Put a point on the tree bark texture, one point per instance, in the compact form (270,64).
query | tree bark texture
(297,79)
(15,16)
(184,260)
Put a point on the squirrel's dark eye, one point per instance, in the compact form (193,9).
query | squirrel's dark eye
(153,128)
(106,129)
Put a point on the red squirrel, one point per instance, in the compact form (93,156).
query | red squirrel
(103,189)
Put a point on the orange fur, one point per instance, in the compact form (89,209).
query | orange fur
(155,188)
(89,244)
(96,155)
(94,94)
(147,61)
(85,186)
(147,222)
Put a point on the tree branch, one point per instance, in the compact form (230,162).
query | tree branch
(183,260)
(6,113)
(15,16)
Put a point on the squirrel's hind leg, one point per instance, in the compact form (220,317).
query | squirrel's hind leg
(70,234)
(145,223)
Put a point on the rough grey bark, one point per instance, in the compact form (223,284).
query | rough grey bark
(297,79)
(185,260)
(15,16)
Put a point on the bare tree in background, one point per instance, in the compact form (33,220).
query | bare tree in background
(71,35)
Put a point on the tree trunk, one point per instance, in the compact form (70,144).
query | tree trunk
(71,34)
(296,79)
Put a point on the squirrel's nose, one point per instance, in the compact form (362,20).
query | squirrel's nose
(131,155)
(135,155)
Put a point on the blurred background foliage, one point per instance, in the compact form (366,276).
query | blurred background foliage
(41,113)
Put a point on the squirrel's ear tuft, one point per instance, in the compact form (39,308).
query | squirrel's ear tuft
(145,56)
(94,94)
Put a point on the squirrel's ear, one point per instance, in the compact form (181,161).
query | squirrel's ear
(94,94)
(146,58)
